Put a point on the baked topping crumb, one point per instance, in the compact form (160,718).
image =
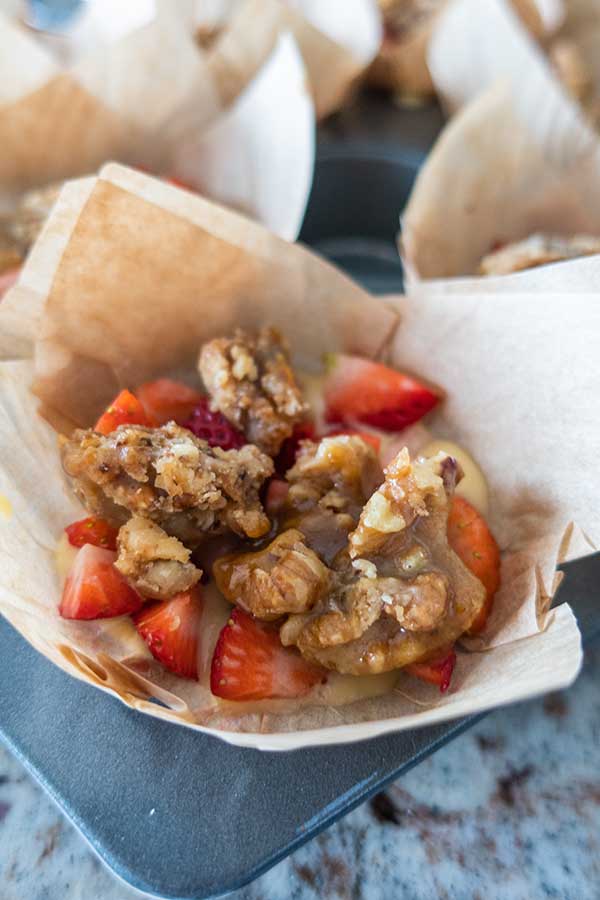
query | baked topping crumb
(157,564)
(329,485)
(399,591)
(171,477)
(251,382)
(284,577)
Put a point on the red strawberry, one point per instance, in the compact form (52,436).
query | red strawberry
(166,400)
(171,628)
(472,540)
(213,427)
(172,179)
(251,663)
(275,496)
(125,409)
(286,458)
(92,530)
(437,670)
(94,589)
(360,390)
(7,279)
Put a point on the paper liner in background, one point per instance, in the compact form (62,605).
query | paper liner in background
(574,276)
(337,39)
(567,33)
(474,44)
(578,47)
(126,281)
(402,65)
(259,155)
(518,159)
(149,98)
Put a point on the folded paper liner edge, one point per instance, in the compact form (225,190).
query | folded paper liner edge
(517,159)
(261,270)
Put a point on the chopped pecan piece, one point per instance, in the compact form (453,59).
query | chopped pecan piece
(329,485)
(168,475)
(251,382)
(283,577)
(410,490)
(158,565)
(400,591)
(419,605)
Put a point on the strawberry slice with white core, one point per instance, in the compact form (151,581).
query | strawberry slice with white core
(171,629)
(251,663)
(360,390)
(94,589)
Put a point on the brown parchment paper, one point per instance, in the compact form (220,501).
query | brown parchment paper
(150,98)
(127,280)
(58,121)
(337,39)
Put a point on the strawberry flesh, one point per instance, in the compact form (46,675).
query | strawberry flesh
(275,496)
(94,589)
(92,530)
(251,663)
(472,540)
(286,458)
(165,400)
(436,671)
(125,409)
(360,390)
(213,427)
(171,629)
(7,279)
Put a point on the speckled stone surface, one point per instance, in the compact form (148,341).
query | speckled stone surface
(510,810)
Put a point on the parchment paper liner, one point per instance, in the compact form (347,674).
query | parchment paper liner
(150,98)
(337,39)
(578,42)
(517,159)
(403,66)
(150,271)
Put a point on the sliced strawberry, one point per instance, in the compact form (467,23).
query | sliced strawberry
(165,400)
(472,540)
(125,409)
(94,589)
(251,663)
(92,530)
(8,278)
(177,182)
(437,670)
(368,436)
(275,496)
(213,427)
(171,628)
(286,458)
(360,390)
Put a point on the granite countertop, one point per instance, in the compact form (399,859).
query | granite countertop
(511,810)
